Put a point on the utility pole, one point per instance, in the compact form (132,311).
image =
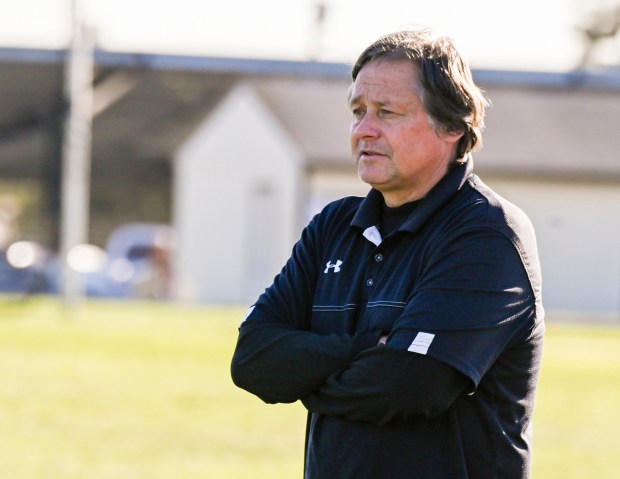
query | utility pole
(75,188)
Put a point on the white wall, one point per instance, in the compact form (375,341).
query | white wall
(578,232)
(237,182)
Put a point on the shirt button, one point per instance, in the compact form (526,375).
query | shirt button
(369,282)
(378,257)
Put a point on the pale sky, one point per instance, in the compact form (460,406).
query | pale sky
(519,35)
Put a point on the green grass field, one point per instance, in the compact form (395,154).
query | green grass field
(143,391)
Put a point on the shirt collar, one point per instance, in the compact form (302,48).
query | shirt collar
(369,212)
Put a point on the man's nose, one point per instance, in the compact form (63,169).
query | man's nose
(366,127)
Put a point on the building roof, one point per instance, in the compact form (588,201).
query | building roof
(540,123)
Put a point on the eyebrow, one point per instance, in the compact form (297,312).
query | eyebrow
(352,100)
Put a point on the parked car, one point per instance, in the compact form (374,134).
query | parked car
(134,264)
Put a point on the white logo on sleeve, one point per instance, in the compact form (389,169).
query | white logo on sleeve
(329,265)
(421,343)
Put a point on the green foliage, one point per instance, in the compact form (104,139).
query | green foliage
(143,391)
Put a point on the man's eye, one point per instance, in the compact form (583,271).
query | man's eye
(357,112)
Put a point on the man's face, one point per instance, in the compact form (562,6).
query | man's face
(394,144)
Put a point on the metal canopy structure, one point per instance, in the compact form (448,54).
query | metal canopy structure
(141,112)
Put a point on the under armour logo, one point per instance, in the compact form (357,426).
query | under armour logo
(336,266)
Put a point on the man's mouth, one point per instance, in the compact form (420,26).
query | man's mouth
(365,154)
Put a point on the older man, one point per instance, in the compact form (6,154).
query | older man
(408,322)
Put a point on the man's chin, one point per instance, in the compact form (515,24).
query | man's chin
(372,178)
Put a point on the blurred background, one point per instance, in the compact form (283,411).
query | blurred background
(164,156)
(174,150)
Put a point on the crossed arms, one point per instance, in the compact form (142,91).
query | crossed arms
(357,378)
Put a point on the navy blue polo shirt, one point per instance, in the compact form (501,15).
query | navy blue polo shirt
(459,282)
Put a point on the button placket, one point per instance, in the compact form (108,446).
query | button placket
(372,270)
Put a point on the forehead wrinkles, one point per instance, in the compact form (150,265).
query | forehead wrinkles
(382,85)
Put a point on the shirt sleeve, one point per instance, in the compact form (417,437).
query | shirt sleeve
(475,301)
(277,358)
(385,385)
